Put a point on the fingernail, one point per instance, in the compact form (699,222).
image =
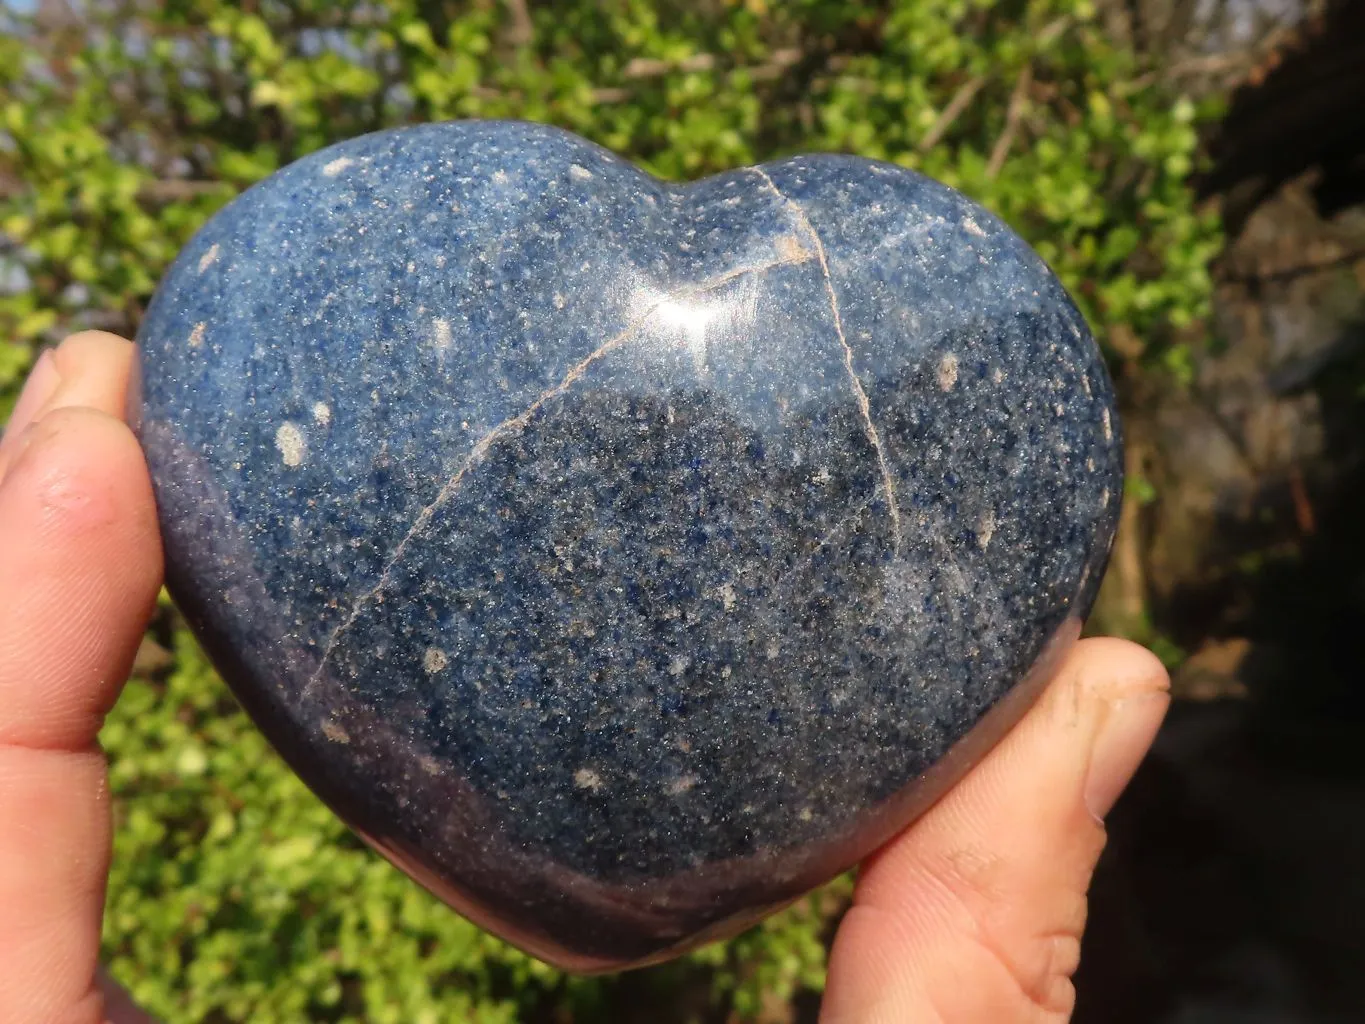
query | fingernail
(43,381)
(81,388)
(1124,737)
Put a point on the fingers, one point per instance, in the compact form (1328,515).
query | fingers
(80,567)
(976,912)
(88,370)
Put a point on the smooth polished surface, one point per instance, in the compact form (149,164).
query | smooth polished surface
(622,558)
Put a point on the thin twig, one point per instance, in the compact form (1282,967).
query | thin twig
(653,67)
(522,30)
(1016,109)
(1345,259)
(166,190)
(175,190)
(951,112)
(643,68)
(1051,31)
(778,62)
(1239,65)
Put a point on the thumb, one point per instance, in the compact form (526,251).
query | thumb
(975,913)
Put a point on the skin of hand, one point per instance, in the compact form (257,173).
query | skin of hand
(975,913)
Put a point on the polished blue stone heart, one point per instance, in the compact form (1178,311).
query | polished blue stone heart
(621,558)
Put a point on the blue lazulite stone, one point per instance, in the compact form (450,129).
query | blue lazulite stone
(623,558)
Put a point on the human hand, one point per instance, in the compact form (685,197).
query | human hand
(80,568)
(973,914)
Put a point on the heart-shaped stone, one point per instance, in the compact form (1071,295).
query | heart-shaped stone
(623,559)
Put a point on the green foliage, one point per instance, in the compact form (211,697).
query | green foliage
(236,895)
(126,142)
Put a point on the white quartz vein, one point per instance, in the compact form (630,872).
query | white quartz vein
(864,406)
(516,423)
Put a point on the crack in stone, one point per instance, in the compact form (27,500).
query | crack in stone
(860,395)
(792,255)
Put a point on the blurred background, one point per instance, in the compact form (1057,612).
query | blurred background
(1195,172)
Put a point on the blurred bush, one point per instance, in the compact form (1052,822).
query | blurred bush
(125,123)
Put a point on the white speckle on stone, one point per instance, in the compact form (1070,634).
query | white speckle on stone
(727,596)
(1108,425)
(292,443)
(334,167)
(322,413)
(440,333)
(1059,409)
(559,300)
(771,650)
(947,372)
(196,338)
(434,660)
(726,671)
(678,665)
(998,376)
(335,733)
(822,476)
(1085,383)
(973,228)
(500,178)
(411,266)
(1104,498)
(579,172)
(586,778)
(805,814)
(429,764)
(440,260)
(209,258)
(985,529)
(1090,465)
